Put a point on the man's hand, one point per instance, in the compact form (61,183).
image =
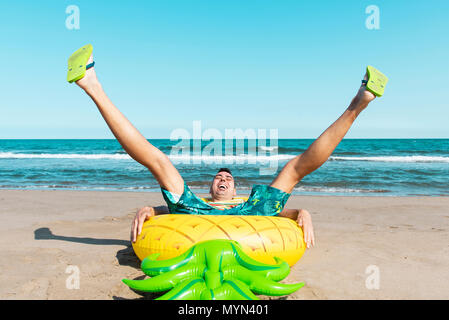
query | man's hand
(142,215)
(304,220)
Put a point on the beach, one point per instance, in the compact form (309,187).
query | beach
(339,108)
(377,247)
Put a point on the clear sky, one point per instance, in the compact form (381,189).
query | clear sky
(290,65)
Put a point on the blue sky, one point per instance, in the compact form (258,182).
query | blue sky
(290,65)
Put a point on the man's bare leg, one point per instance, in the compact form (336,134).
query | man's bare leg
(130,139)
(321,149)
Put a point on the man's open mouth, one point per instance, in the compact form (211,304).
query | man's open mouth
(222,187)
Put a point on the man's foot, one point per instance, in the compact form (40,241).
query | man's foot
(362,98)
(90,77)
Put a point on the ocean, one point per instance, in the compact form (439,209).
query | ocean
(365,167)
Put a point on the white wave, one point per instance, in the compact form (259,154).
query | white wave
(178,158)
(230,159)
(394,159)
(335,190)
(270,148)
(11,155)
(242,190)
(243,158)
(83,188)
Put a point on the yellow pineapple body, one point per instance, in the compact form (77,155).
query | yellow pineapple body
(261,237)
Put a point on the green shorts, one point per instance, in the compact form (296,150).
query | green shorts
(263,201)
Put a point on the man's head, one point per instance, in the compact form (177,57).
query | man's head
(223,187)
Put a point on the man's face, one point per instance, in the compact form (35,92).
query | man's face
(222,187)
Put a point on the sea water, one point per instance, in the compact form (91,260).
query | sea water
(393,167)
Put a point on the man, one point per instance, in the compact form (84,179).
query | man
(222,198)
(264,200)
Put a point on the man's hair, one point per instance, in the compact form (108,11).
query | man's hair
(225,170)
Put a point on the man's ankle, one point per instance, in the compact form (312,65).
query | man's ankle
(357,106)
(92,88)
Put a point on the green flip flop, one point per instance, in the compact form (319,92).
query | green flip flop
(77,63)
(376,82)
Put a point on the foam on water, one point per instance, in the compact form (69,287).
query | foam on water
(357,167)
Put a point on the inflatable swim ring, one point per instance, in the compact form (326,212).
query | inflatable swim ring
(261,237)
(213,270)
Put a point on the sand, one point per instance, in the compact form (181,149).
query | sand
(367,247)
